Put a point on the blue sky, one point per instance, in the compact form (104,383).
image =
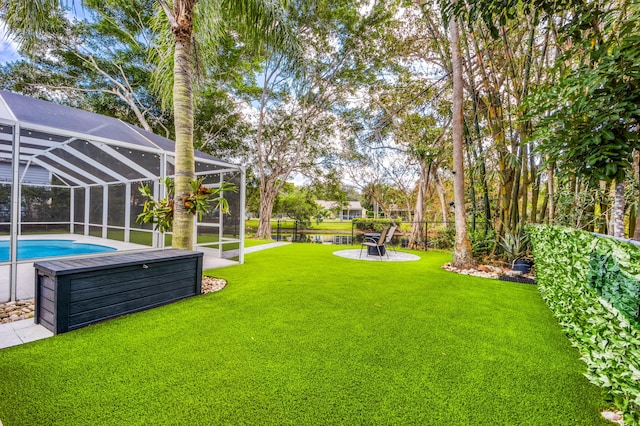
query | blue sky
(7,48)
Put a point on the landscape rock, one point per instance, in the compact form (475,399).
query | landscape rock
(15,311)
(485,271)
(484,268)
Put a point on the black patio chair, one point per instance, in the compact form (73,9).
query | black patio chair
(387,243)
(377,242)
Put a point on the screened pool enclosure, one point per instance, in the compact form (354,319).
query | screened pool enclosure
(71,174)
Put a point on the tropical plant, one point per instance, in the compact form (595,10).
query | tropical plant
(574,129)
(516,245)
(198,201)
(181,28)
(99,63)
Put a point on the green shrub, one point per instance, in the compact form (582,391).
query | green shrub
(375,225)
(442,238)
(577,272)
(481,243)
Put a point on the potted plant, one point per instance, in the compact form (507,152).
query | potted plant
(517,248)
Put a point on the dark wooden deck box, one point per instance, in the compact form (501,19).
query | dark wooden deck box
(74,293)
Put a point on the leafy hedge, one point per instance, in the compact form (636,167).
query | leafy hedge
(376,225)
(615,269)
(590,284)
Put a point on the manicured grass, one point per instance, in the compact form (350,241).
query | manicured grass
(250,242)
(302,337)
(331,225)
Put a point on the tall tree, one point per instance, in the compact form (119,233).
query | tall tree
(462,255)
(181,26)
(202,23)
(99,63)
(300,120)
(575,130)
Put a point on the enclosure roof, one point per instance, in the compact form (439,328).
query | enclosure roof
(81,147)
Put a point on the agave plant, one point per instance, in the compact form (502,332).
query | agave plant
(516,244)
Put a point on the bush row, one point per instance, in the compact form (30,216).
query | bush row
(590,284)
(376,225)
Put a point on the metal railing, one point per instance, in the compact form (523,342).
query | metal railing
(435,234)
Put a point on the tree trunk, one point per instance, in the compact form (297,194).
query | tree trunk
(550,193)
(535,193)
(462,255)
(472,186)
(264,225)
(514,213)
(417,237)
(603,218)
(268,194)
(524,192)
(617,213)
(442,197)
(183,221)
(543,209)
(478,155)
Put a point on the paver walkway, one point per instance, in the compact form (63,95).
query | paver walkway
(19,332)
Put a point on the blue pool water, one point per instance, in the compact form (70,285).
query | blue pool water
(35,249)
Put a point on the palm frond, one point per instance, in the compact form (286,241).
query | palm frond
(264,24)
(27,20)
(162,56)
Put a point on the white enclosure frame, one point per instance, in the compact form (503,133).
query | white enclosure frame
(76,147)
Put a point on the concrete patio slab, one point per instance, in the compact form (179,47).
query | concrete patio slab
(393,256)
(19,332)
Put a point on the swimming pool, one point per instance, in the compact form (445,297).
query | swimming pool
(35,249)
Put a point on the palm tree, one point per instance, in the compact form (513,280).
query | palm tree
(181,26)
(202,23)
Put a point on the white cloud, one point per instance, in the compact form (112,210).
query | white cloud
(8,47)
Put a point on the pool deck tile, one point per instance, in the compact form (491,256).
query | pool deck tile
(19,332)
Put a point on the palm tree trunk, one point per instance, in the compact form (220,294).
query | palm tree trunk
(183,115)
(462,255)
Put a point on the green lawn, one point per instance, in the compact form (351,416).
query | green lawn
(250,242)
(329,225)
(302,337)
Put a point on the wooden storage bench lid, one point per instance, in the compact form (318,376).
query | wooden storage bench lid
(94,263)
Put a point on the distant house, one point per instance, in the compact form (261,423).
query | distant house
(397,212)
(353,209)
